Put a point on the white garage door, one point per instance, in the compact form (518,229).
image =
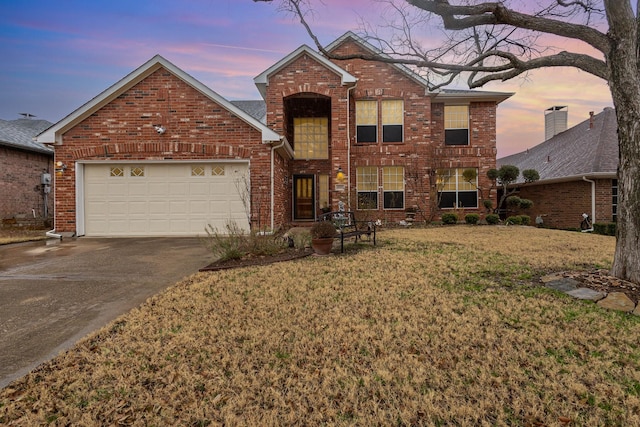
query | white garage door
(168,199)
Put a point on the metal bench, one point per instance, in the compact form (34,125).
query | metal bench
(347,226)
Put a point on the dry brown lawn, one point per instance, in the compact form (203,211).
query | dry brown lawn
(12,235)
(441,326)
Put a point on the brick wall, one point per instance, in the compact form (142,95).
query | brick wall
(561,204)
(20,175)
(196,128)
(423,149)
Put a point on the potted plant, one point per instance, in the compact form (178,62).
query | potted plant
(322,234)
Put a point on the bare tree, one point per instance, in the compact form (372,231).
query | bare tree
(501,40)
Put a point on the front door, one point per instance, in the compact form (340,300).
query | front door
(303,197)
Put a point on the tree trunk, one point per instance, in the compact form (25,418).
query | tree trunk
(624,83)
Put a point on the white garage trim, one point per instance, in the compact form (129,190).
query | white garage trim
(167,199)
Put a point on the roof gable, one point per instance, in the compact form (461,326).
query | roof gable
(590,148)
(54,133)
(447,96)
(262,80)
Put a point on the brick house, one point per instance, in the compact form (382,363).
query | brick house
(578,173)
(25,199)
(159,153)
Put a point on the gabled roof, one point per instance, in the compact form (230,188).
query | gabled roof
(579,151)
(20,133)
(441,95)
(54,133)
(262,80)
(255,108)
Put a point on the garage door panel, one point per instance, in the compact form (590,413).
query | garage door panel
(166,200)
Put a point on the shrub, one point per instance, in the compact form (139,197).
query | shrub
(323,230)
(230,243)
(525,203)
(525,219)
(492,219)
(605,228)
(513,220)
(488,204)
(449,218)
(471,218)
(513,201)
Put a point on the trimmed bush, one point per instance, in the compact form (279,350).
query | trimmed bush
(488,204)
(449,218)
(525,203)
(513,220)
(525,219)
(492,219)
(472,218)
(605,228)
(513,201)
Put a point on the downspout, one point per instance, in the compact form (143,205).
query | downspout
(273,192)
(349,148)
(593,202)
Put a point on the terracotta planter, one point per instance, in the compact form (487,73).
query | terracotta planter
(322,246)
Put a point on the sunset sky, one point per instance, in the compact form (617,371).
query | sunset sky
(58,54)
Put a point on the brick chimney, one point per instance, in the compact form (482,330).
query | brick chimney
(555,120)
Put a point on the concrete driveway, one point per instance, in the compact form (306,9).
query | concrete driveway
(54,293)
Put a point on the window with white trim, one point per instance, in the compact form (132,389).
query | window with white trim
(392,120)
(456,125)
(393,187)
(366,121)
(454,191)
(367,187)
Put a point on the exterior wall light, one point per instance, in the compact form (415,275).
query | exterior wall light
(60,167)
(340,175)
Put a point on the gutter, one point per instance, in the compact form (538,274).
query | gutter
(593,202)
(51,233)
(272,178)
(349,148)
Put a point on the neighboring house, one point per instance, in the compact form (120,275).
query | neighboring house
(578,173)
(159,153)
(22,165)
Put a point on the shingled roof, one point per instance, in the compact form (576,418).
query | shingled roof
(20,133)
(588,149)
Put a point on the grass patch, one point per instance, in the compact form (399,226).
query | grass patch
(435,327)
(12,235)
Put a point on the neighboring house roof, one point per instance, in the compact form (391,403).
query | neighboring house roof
(54,133)
(588,149)
(255,108)
(20,133)
(262,80)
(444,95)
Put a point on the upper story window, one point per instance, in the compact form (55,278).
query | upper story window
(392,120)
(456,125)
(366,121)
(311,138)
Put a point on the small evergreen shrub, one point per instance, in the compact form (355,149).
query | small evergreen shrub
(472,218)
(525,203)
(488,204)
(513,220)
(492,219)
(525,219)
(449,218)
(605,228)
(513,201)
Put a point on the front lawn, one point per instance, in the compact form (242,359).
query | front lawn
(438,326)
